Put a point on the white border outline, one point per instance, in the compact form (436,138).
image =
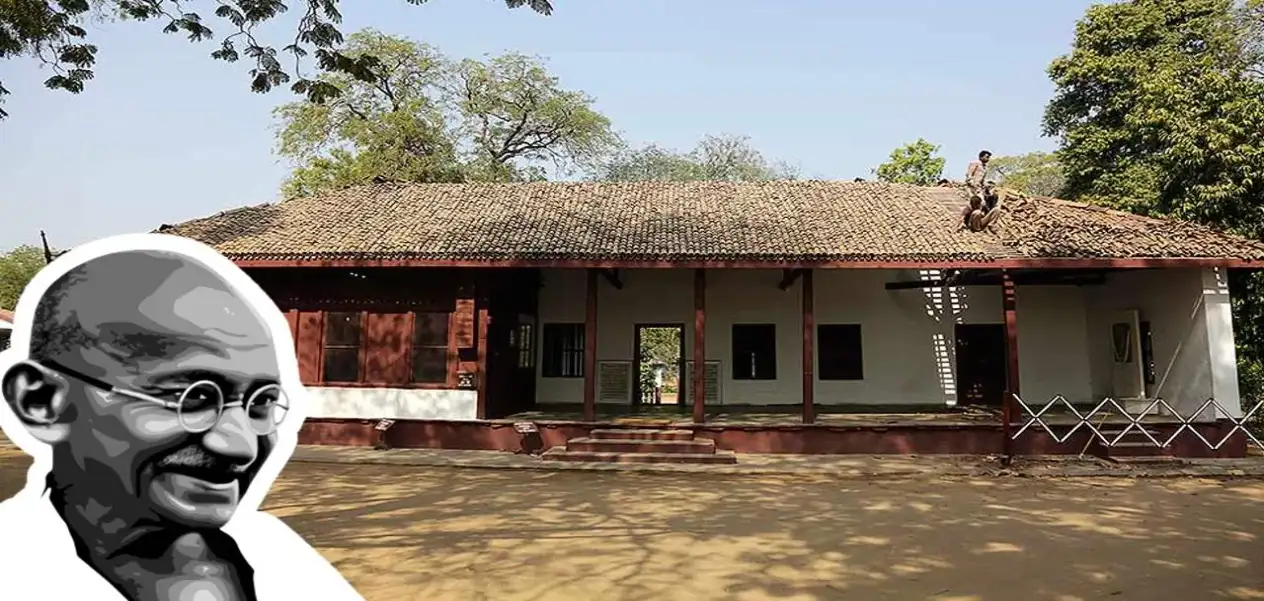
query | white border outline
(245,288)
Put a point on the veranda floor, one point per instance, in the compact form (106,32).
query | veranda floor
(830,415)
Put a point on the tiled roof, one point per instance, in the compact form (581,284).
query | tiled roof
(763,221)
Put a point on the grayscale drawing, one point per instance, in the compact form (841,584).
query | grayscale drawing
(156,387)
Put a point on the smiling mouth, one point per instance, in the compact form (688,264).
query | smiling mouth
(205,475)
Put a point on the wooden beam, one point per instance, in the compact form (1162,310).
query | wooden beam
(698,386)
(247,262)
(1009,305)
(809,353)
(788,276)
(590,350)
(1030,278)
(612,276)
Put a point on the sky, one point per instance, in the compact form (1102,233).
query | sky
(164,134)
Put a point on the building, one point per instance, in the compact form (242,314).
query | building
(830,316)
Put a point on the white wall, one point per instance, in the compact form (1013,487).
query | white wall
(1052,344)
(907,335)
(1192,331)
(648,296)
(392,403)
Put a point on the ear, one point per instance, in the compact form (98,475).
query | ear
(39,398)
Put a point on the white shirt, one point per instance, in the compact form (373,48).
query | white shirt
(38,560)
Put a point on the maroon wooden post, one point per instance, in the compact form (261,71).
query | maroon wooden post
(698,385)
(809,354)
(483,323)
(1009,303)
(590,350)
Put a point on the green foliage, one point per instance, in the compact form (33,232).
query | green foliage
(1157,113)
(723,157)
(54,32)
(659,345)
(1034,174)
(1159,107)
(914,163)
(426,118)
(17,267)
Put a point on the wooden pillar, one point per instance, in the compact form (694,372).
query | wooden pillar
(809,352)
(698,386)
(482,323)
(1009,304)
(590,350)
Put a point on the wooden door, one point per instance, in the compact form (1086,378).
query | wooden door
(1128,370)
(980,364)
(511,343)
(501,364)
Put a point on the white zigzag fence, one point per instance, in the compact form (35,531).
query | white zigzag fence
(1135,423)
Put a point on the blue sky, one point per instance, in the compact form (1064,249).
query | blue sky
(165,134)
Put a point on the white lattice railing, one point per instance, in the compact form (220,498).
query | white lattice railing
(1134,422)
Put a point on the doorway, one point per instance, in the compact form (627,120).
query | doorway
(980,364)
(659,350)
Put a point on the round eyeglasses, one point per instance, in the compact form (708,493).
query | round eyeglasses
(202,403)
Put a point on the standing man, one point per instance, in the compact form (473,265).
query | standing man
(153,386)
(976,181)
(976,173)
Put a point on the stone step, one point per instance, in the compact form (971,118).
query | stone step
(1133,444)
(1124,449)
(640,434)
(561,454)
(615,445)
(1133,436)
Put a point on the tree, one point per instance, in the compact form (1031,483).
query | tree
(659,345)
(426,118)
(17,268)
(1158,108)
(722,157)
(1157,113)
(1034,174)
(913,163)
(55,32)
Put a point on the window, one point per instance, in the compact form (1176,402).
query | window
(526,345)
(563,350)
(838,352)
(4,339)
(342,347)
(754,352)
(430,348)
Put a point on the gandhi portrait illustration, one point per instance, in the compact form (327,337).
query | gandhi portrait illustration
(156,387)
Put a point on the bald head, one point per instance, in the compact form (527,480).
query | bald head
(141,306)
(155,383)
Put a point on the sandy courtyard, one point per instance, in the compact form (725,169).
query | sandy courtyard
(401,533)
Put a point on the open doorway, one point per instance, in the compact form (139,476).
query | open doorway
(659,350)
(980,364)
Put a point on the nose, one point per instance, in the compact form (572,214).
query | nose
(232,437)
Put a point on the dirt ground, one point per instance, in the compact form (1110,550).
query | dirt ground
(404,533)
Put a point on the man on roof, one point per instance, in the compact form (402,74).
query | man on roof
(980,210)
(976,172)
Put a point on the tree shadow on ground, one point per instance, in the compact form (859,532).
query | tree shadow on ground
(404,533)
